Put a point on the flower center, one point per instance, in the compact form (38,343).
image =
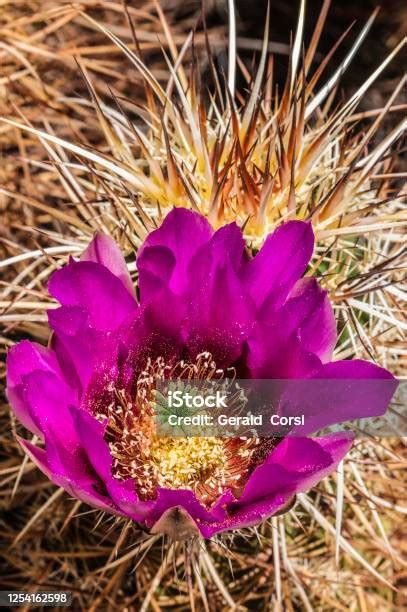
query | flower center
(206,465)
(182,462)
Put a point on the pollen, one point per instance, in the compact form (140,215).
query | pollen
(182,462)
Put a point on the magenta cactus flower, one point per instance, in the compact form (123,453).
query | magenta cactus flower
(202,302)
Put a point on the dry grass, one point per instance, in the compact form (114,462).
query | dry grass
(53,199)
